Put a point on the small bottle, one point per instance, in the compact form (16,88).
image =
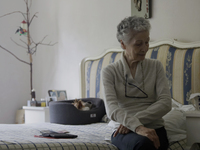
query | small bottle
(33,94)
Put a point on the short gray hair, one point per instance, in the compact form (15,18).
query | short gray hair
(127,25)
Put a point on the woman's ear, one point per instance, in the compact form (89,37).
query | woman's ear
(123,46)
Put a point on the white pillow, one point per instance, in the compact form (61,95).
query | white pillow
(175,125)
(175,122)
(176,104)
(186,108)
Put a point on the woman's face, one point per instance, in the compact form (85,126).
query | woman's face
(137,47)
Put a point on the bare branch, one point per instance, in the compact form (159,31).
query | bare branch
(30,5)
(15,12)
(31,40)
(34,49)
(33,18)
(24,42)
(49,44)
(41,42)
(26,1)
(27,11)
(14,55)
(37,44)
(18,44)
(43,39)
(28,51)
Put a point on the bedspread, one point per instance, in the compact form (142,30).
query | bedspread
(21,136)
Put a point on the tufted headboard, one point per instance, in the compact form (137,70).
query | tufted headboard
(181,62)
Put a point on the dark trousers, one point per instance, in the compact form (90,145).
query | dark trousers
(133,141)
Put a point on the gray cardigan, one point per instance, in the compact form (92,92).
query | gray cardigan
(132,112)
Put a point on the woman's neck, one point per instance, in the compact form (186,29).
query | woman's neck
(132,65)
(131,62)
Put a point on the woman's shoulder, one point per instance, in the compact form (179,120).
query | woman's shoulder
(152,60)
(153,63)
(113,66)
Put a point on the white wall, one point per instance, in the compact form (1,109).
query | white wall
(84,29)
(14,75)
(81,28)
(177,19)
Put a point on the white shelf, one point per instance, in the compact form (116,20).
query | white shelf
(36,114)
(34,108)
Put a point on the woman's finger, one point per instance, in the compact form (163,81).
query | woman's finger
(118,131)
(127,131)
(156,142)
(154,139)
(122,130)
(149,133)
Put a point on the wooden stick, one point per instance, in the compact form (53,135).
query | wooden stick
(14,55)
(15,12)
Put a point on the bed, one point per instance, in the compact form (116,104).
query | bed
(181,62)
(21,136)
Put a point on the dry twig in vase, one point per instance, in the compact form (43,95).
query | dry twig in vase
(29,45)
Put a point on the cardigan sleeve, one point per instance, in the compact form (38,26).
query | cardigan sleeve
(113,111)
(163,98)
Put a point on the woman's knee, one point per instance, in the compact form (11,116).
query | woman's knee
(132,141)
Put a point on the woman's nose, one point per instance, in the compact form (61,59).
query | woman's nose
(145,47)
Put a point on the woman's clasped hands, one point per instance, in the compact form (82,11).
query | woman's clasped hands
(141,130)
(149,133)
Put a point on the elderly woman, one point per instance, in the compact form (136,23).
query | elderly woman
(136,91)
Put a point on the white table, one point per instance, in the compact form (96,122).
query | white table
(193,128)
(36,114)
